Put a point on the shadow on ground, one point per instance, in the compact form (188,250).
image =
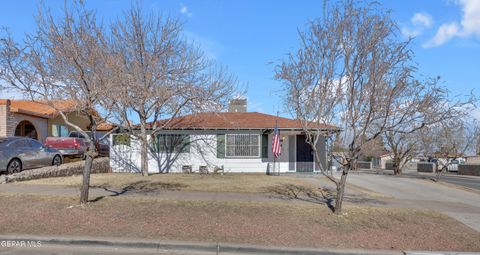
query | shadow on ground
(323,196)
(140,187)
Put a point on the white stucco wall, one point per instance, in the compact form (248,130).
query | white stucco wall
(202,152)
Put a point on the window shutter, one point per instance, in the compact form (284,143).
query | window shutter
(265,146)
(186,143)
(157,143)
(220,146)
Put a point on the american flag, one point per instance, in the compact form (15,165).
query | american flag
(276,148)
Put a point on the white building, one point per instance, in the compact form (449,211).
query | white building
(236,141)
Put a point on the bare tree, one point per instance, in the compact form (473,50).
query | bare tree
(159,75)
(423,105)
(353,71)
(450,140)
(62,60)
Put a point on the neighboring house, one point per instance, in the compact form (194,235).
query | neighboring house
(385,161)
(472,160)
(238,141)
(38,120)
(374,151)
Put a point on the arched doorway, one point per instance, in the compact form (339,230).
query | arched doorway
(27,129)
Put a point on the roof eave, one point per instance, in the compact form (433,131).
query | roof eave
(259,128)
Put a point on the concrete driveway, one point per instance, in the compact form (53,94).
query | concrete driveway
(422,194)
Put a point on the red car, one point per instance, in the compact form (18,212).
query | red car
(75,145)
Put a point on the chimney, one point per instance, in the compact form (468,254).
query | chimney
(238,105)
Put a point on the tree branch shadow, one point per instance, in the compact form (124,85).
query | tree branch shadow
(302,193)
(324,196)
(140,187)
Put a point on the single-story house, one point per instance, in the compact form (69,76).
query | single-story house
(472,160)
(236,141)
(38,120)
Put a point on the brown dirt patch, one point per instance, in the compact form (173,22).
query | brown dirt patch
(274,223)
(245,183)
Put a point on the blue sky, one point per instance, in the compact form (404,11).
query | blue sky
(250,36)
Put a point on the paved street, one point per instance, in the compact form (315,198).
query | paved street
(423,194)
(472,182)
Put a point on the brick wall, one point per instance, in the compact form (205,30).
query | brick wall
(3,120)
(7,120)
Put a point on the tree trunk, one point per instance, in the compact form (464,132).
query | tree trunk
(90,155)
(340,192)
(396,169)
(438,173)
(144,148)
(86,174)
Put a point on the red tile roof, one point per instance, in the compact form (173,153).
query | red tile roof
(105,127)
(39,109)
(43,110)
(236,120)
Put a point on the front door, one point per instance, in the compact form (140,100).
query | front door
(304,155)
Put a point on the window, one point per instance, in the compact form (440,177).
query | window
(243,145)
(172,143)
(121,139)
(59,131)
(21,143)
(35,144)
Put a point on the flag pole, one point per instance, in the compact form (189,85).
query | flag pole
(276,147)
(274,154)
(278,134)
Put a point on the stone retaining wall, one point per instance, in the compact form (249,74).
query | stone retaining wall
(469,170)
(100,165)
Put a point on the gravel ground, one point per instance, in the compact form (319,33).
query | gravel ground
(268,223)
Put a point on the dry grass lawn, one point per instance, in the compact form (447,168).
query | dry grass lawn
(272,223)
(250,183)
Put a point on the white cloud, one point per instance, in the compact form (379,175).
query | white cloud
(422,19)
(408,32)
(184,10)
(468,27)
(419,22)
(445,32)
(211,47)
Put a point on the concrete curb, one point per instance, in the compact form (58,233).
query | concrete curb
(185,246)
(439,253)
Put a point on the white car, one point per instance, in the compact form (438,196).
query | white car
(453,166)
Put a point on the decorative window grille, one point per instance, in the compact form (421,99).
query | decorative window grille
(243,145)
